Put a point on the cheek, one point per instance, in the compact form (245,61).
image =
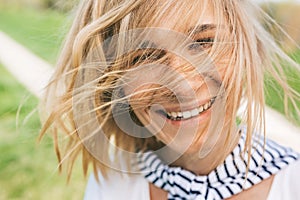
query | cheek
(142,102)
(139,112)
(139,95)
(225,69)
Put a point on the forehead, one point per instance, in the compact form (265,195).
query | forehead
(175,22)
(182,16)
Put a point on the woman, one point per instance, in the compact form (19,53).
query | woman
(150,96)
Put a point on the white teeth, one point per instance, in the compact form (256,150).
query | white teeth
(189,114)
(186,114)
(179,114)
(195,112)
(200,109)
(174,114)
(205,106)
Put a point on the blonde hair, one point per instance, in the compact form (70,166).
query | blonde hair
(254,55)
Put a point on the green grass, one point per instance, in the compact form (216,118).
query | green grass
(40,31)
(274,97)
(28,169)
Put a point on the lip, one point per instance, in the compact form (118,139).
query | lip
(191,121)
(188,122)
(185,106)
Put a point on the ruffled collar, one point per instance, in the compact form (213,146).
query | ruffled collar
(228,179)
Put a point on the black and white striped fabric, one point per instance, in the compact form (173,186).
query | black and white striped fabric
(226,180)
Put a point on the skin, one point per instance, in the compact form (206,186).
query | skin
(197,148)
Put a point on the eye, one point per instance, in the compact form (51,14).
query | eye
(147,56)
(201,44)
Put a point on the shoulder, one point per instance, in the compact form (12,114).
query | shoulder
(286,183)
(117,186)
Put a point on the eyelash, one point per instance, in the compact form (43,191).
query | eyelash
(200,44)
(151,56)
(203,44)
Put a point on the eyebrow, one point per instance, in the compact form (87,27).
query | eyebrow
(194,30)
(148,44)
(202,28)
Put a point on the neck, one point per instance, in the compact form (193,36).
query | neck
(217,155)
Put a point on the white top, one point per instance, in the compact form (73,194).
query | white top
(286,184)
(135,187)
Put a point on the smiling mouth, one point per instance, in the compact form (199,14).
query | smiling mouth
(178,116)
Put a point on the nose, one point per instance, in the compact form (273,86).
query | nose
(195,81)
(188,81)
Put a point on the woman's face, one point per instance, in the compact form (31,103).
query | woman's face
(179,100)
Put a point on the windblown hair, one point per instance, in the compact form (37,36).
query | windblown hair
(75,90)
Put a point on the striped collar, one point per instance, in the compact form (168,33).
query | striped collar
(228,179)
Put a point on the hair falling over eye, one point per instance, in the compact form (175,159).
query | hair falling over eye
(115,46)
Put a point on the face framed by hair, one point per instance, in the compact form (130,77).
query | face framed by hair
(165,87)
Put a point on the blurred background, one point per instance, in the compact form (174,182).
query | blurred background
(28,170)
